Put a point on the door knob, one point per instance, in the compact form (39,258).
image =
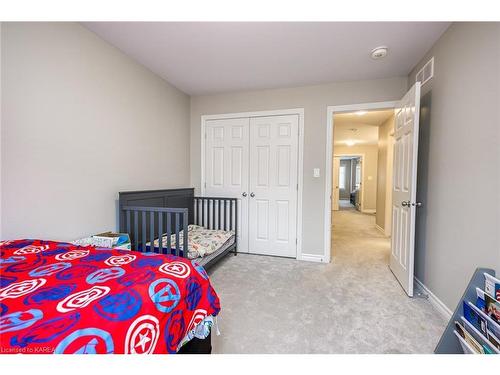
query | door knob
(244,194)
(405,203)
(417,204)
(252,194)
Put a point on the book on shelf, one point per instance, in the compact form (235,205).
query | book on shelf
(492,308)
(488,304)
(474,317)
(492,286)
(466,347)
(469,339)
(487,345)
(493,339)
(482,322)
(480,300)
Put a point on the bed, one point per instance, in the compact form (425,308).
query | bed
(57,297)
(156,221)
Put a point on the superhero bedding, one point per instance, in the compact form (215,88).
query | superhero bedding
(60,298)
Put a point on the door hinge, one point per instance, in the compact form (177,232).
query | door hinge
(205,185)
(296,241)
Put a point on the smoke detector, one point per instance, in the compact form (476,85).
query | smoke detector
(379,52)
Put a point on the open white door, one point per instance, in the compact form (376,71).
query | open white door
(336,191)
(404,188)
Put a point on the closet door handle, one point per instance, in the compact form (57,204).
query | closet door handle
(244,194)
(252,194)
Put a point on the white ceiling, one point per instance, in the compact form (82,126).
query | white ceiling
(366,125)
(211,57)
(375,118)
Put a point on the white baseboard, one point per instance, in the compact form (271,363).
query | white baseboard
(312,258)
(381,230)
(435,301)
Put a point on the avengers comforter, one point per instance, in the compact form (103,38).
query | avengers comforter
(60,298)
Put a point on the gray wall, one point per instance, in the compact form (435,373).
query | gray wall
(80,122)
(384,173)
(314,99)
(459,224)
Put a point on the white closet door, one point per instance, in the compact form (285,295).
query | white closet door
(273,185)
(226,167)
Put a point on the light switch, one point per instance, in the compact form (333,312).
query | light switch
(316,172)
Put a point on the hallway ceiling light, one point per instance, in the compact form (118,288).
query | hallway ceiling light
(361,113)
(350,142)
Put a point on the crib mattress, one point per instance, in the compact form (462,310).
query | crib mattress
(202,242)
(203,261)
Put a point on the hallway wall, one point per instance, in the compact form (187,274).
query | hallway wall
(370,170)
(384,176)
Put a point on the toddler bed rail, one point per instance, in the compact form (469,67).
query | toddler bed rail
(215,213)
(162,220)
(148,216)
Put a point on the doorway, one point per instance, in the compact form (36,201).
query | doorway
(360,175)
(403,182)
(347,185)
(360,178)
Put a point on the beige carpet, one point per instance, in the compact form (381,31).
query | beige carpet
(345,204)
(353,305)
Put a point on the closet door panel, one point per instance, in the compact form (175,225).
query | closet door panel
(273,185)
(226,166)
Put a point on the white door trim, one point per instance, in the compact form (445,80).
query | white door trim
(300,166)
(330,110)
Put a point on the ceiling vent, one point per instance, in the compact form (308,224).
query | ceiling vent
(426,73)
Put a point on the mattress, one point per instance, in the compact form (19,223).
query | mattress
(202,261)
(202,242)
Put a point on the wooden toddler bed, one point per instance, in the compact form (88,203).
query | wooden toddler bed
(156,221)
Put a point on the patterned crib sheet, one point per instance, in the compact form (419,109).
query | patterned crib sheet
(201,241)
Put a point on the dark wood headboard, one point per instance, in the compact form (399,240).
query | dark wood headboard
(174,198)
